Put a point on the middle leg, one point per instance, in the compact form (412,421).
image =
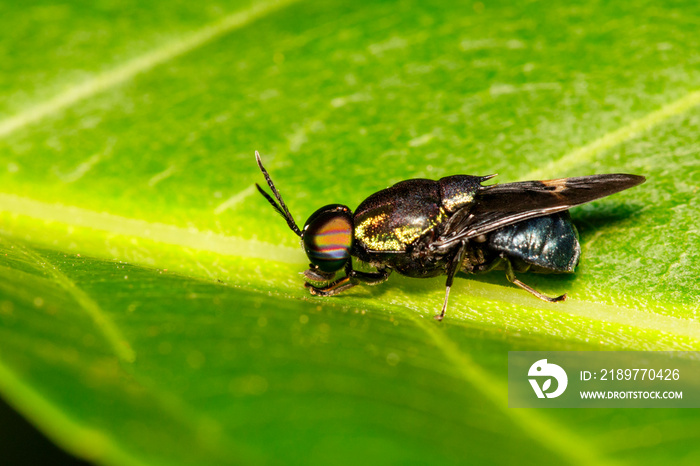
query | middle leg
(452,270)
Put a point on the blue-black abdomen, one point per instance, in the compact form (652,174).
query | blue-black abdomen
(550,242)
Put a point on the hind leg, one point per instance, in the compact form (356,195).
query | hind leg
(510,275)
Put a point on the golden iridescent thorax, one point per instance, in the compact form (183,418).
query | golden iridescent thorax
(392,219)
(376,234)
(458,200)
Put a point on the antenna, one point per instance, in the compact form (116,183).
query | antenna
(281,208)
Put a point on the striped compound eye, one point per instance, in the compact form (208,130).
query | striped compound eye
(327,237)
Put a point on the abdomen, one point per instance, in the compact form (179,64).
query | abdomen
(549,242)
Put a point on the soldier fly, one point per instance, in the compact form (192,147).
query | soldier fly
(425,228)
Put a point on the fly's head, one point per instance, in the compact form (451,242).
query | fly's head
(327,236)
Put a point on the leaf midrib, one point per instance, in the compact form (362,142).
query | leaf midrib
(189,239)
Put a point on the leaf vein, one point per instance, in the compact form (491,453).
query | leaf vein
(614,138)
(102,82)
(544,431)
(121,346)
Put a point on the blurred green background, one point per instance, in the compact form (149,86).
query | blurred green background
(151,307)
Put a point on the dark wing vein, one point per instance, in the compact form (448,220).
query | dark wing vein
(500,205)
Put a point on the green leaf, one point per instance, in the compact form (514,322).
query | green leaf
(151,307)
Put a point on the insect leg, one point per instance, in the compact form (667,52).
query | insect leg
(352,277)
(487,266)
(455,265)
(316,275)
(335,287)
(510,275)
(371,278)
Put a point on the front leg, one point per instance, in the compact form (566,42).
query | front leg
(454,266)
(352,277)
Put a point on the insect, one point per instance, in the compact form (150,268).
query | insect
(425,228)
